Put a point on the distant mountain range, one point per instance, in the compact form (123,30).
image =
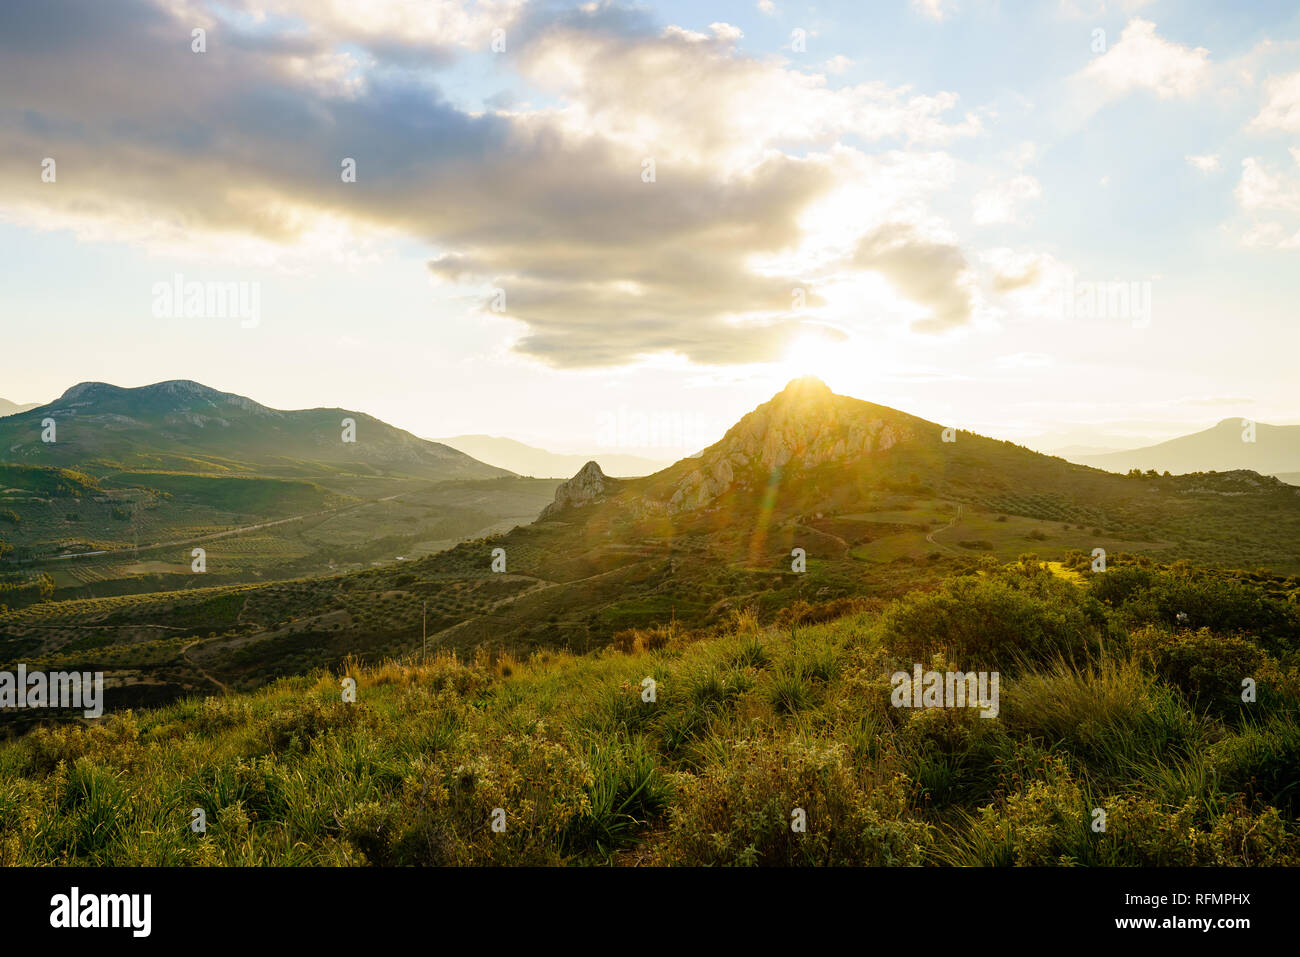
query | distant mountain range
(528,460)
(1229,445)
(181,425)
(13,408)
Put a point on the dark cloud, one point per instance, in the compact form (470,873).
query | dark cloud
(245,139)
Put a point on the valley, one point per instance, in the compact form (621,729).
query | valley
(878,501)
(501,631)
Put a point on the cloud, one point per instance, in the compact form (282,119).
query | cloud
(1001,203)
(238,152)
(931,273)
(629,88)
(1270,236)
(1263,188)
(1028,284)
(1281,110)
(412,34)
(1206,164)
(933,9)
(1141,60)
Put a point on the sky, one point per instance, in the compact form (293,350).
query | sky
(622,226)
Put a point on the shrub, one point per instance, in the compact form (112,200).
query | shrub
(741,812)
(991,622)
(633,640)
(1209,668)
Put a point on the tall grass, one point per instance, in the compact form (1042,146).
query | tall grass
(759,746)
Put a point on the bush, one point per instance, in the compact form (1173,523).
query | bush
(741,812)
(990,623)
(1174,598)
(1210,669)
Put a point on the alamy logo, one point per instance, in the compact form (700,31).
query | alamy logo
(57,689)
(631,429)
(946,689)
(103,910)
(179,299)
(1107,300)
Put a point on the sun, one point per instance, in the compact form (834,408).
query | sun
(820,354)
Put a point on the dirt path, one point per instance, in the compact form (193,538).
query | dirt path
(542,585)
(185,653)
(929,536)
(817,531)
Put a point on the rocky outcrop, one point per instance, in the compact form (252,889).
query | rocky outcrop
(805,424)
(588,487)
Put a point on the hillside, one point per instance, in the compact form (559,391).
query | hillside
(844,473)
(184,426)
(510,671)
(135,479)
(527,460)
(1275,450)
(876,499)
(699,748)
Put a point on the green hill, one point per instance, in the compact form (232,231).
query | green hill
(1105,703)
(187,427)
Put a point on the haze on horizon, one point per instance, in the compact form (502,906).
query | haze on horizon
(905,203)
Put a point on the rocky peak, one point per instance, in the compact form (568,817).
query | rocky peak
(805,424)
(589,486)
(804,389)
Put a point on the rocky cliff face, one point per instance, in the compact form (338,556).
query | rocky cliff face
(589,486)
(805,424)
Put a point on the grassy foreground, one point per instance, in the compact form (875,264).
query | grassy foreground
(1113,697)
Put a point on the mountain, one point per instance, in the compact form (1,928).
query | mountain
(1274,450)
(185,426)
(811,501)
(13,408)
(808,449)
(870,499)
(528,460)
